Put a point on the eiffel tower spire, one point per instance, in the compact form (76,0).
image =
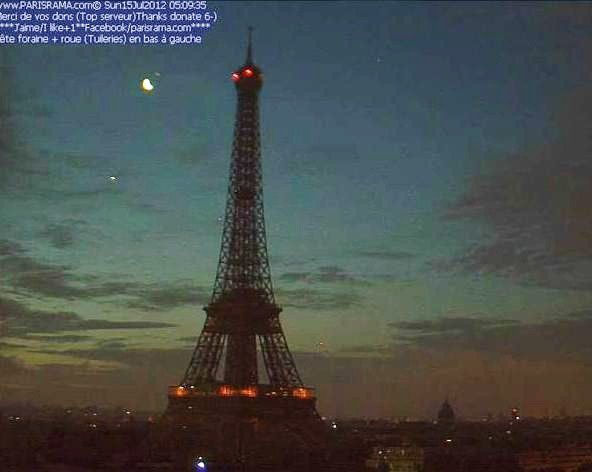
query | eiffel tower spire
(249,60)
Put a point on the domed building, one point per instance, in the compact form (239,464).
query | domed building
(446,414)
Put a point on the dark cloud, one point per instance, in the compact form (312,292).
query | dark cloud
(297,276)
(104,190)
(535,205)
(149,208)
(59,282)
(20,320)
(387,255)
(106,324)
(62,235)
(289,260)
(50,282)
(367,349)
(317,300)
(111,351)
(449,324)
(324,274)
(16,262)
(7,345)
(10,248)
(159,297)
(56,338)
(332,274)
(565,338)
(111,344)
(24,273)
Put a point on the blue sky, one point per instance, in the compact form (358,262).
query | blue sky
(425,170)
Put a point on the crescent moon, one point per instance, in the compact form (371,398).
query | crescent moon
(147,85)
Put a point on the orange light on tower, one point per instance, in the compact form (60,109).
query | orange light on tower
(249,391)
(180,391)
(226,391)
(302,393)
(248,73)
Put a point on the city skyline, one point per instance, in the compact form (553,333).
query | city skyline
(426,179)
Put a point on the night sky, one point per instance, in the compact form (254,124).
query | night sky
(427,175)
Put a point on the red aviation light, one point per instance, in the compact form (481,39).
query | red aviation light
(248,73)
(235,77)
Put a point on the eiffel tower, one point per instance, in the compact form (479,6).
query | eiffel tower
(224,395)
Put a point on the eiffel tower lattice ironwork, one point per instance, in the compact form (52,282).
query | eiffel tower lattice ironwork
(242,319)
(243,306)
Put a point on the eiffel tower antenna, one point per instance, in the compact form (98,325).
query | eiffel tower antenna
(250,47)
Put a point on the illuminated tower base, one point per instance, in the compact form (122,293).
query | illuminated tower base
(273,429)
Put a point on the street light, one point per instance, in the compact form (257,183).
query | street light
(200,465)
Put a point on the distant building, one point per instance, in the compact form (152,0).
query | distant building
(446,414)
